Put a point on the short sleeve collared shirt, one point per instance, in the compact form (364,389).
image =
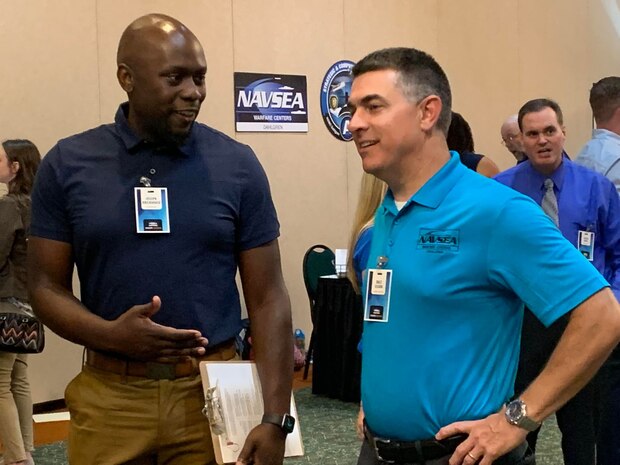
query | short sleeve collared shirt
(219,205)
(465,253)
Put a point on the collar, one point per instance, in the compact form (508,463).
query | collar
(605,134)
(133,143)
(432,193)
(557,176)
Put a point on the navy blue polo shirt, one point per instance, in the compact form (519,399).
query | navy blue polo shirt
(465,253)
(219,203)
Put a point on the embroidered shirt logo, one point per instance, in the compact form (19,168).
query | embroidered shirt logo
(438,240)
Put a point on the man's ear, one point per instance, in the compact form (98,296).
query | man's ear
(430,108)
(124,74)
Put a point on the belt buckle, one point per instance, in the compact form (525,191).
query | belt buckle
(156,370)
(381,442)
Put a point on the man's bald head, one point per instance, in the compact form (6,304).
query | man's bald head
(509,123)
(511,136)
(149,31)
(162,67)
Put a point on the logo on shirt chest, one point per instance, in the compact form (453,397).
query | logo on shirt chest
(438,240)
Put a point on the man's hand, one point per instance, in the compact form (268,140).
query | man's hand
(136,336)
(488,439)
(263,446)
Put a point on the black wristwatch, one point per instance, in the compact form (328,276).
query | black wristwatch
(516,414)
(285,422)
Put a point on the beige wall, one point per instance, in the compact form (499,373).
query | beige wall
(58,78)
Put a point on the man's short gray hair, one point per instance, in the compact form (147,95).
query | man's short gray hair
(419,76)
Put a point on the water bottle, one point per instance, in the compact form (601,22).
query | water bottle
(300,340)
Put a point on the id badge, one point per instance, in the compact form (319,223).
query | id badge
(585,244)
(151,210)
(378,290)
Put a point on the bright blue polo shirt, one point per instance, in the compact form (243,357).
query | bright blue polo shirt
(466,252)
(219,203)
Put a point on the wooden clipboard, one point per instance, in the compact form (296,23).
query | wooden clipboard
(234,405)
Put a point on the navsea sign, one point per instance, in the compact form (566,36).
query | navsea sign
(270,103)
(335,91)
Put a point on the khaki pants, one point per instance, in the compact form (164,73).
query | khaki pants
(15,403)
(137,421)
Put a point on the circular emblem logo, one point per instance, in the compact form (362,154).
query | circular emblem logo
(335,91)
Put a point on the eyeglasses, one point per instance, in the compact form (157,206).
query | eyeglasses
(509,139)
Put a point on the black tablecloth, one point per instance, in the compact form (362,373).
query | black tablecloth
(338,327)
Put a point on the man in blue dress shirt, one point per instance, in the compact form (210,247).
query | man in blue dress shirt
(602,152)
(586,208)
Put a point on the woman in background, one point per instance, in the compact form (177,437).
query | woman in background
(372,191)
(461,140)
(19,161)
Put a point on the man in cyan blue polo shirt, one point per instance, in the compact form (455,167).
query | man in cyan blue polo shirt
(158,212)
(586,209)
(454,256)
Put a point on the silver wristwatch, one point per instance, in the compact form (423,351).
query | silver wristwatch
(516,414)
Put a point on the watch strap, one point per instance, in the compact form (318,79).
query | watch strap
(528,424)
(283,421)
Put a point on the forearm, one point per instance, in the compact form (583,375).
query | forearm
(66,316)
(591,334)
(272,340)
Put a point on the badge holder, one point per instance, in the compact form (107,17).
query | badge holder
(151,210)
(378,290)
(585,241)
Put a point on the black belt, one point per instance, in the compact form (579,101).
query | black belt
(419,452)
(391,451)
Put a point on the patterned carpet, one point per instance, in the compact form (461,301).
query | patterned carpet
(328,432)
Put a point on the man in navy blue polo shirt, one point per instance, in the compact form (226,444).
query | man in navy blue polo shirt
(454,256)
(158,211)
(586,208)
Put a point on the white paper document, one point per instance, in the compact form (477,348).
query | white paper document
(234,393)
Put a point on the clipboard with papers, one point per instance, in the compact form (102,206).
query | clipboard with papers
(234,405)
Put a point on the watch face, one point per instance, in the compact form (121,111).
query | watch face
(514,410)
(288,424)
(516,414)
